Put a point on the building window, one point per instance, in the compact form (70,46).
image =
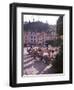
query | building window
(31,36)
(34,41)
(34,37)
(31,40)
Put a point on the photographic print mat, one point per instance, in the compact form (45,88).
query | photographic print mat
(48,20)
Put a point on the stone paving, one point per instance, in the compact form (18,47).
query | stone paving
(35,67)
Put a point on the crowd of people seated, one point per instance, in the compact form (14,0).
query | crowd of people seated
(46,54)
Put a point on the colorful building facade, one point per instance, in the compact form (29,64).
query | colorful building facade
(38,35)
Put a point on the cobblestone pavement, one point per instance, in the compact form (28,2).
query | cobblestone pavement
(33,66)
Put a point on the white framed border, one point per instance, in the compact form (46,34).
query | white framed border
(52,77)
